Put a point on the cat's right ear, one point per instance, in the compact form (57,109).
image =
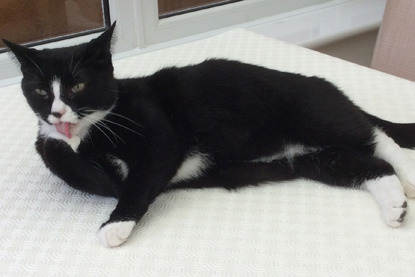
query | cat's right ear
(98,50)
(105,39)
(21,53)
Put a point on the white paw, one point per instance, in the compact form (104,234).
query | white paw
(73,142)
(390,197)
(408,183)
(114,234)
(394,212)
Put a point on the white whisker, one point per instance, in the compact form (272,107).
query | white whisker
(103,125)
(122,126)
(35,64)
(126,118)
(70,65)
(102,131)
(76,66)
(96,165)
(119,115)
(118,124)
(34,75)
(90,138)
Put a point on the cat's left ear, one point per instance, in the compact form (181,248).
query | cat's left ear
(23,54)
(99,49)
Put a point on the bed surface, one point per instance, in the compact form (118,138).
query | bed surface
(295,228)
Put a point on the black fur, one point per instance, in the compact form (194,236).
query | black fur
(233,112)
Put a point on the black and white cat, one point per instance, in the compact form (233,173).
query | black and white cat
(219,123)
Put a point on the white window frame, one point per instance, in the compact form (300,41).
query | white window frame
(139,28)
(162,30)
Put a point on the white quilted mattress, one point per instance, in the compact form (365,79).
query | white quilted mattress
(288,229)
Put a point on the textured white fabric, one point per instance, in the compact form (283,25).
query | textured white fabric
(291,229)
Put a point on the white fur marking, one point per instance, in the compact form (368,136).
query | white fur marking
(81,129)
(78,128)
(114,234)
(192,167)
(49,131)
(390,197)
(404,167)
(73,142)
(57,106)
(122,167)
(45,129)
(289,153)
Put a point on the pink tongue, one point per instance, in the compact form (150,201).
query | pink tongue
(63,128)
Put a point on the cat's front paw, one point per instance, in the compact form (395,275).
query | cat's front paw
(115,233)
(73,142)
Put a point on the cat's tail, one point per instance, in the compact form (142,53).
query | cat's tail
(402,133)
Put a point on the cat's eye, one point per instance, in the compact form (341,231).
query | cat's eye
(41,92)
(78,88)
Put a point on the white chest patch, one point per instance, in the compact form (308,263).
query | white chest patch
(192,167)
(81,129)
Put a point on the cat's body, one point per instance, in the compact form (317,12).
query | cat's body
(219,123)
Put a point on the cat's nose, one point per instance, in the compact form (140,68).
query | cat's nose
(57,115)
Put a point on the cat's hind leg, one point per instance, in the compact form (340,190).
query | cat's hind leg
(388,193)
(337,166)
(349,168)
(388,150)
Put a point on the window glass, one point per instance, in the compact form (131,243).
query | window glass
(32,22)
(169,8)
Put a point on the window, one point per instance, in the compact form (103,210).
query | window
(41,21)
(162,29)
(167,8)
(145,25)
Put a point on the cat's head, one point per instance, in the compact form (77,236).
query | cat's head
(68,88)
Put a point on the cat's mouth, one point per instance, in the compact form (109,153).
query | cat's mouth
(64,128)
